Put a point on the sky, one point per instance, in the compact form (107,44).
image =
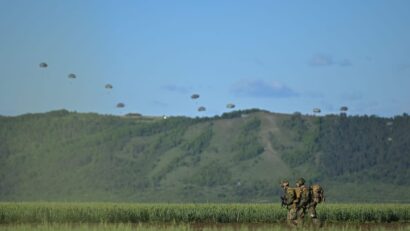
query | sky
(281,56)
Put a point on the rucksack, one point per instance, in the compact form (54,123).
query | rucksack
(298,193)
(289,197)
(300,190)
(317,193)
(291,193)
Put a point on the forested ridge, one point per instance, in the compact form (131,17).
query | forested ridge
(236,157)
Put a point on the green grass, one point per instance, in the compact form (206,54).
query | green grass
(185,227)
(37,213)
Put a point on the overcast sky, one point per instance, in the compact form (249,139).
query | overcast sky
(282,56)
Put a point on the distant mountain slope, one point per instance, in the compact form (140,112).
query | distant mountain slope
(237,157)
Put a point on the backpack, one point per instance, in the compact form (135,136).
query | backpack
(298,193)
(290,194)
(317,193)
(301,192)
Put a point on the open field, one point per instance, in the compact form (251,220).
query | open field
(42,212)
(196,227)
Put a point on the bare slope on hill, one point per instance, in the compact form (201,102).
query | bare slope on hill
(237,157)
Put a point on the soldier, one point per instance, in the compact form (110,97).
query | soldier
(302,199)
(289,200)
(316,196)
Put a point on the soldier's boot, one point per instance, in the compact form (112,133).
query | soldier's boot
(292,217)
(292,223)
(300,222)
(300,218)
(316,222)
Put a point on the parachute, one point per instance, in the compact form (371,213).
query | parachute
(201,108)
(108,86)
(120,105)
(43,65)
(72,76)
(344,109)
(230,105)
(194,96)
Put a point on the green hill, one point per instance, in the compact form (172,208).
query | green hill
(237,157)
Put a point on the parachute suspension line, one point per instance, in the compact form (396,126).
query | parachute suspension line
(44,66)
(71,76)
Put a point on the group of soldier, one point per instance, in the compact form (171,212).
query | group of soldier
(301,199)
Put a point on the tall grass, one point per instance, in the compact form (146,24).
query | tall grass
(365,212)
(21,213)
(188,227)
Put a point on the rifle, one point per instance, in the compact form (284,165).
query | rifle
(284,202)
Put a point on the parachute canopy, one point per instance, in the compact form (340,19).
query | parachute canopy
(194,96)
(43,65)
(108,86)
(120,105)
(201,108)
(316,110)
(72,76)
(230,105)
(344,108)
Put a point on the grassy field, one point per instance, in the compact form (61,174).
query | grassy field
(116,213)
(190,227)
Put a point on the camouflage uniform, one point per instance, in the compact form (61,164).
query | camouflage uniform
(312,211)
(290,202)
(317,196)
(302,199)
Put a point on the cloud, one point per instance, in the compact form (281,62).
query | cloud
(321,60)
(176,88)
(345,63)
(262,89)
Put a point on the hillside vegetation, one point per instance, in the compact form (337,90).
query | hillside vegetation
(237,157)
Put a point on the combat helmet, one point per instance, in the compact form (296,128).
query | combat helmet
(284,183)
(300,182)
